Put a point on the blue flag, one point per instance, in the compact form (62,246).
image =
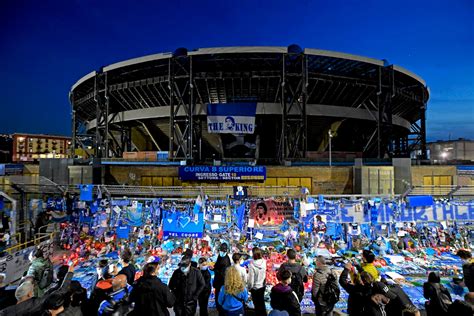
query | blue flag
(86,192)
(240,212)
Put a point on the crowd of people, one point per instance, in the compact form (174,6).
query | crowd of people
(131,292)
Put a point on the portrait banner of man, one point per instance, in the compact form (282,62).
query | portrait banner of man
(265,213)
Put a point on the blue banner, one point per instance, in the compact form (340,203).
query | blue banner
(120,202)
(135,214)
(392,212)
(181,225)
(233,118)
(86,192)
(222,173)
(420,200)
(11,169)
(123,232)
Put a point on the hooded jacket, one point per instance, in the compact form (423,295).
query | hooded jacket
(257,274)
(283,298)
(152,297)
(230,302)
(36,270)
(320,278)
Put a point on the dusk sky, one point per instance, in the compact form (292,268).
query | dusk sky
(46,46)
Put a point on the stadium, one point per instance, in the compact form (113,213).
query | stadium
(305,102)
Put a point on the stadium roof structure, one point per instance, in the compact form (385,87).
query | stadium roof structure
(303,92)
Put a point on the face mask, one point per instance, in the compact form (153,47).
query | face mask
(184,270)
(204,268)
(222,253)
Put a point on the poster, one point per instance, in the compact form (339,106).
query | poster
(135,214)
(233,118)
(14,265)
(182,225)
(266,213)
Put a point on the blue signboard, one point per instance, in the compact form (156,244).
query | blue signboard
(11,169)
(222,173)
(465,170)
(183,225)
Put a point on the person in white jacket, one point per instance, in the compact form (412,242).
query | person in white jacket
(256,281)
(237,260)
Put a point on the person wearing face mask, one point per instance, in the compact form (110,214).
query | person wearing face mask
(186,284)
(238,261)
(206,292)
(222,263)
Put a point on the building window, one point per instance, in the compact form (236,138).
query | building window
(437,180)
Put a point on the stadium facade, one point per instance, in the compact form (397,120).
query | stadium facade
(300,97)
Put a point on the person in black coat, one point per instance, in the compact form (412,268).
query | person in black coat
(438,296)
(282,296)
(206,292)
(151,296)
(28,304)
(463,308)
(7,296)
(400,304)
(186,283)
(222,263)
(366,297)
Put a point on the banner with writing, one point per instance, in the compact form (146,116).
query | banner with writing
(231,118)
(182,225)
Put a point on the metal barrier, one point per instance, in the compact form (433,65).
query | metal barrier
(34,242)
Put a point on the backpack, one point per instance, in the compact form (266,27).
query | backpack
(118,308)
(46,277)
(442,298)
(331,291)
(297,282)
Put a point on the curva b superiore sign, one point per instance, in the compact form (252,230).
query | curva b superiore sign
(222,173)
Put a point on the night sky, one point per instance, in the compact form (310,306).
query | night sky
(47,45)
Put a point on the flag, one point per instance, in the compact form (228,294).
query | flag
(86,192)
(197,205)
(240,215)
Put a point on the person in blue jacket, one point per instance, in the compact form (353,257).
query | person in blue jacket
(233,294)
(121,290)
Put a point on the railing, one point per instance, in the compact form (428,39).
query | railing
(443,190)
(34,242)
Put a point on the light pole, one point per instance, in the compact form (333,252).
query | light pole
(330,134)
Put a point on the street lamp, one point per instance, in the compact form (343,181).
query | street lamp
(330,134)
